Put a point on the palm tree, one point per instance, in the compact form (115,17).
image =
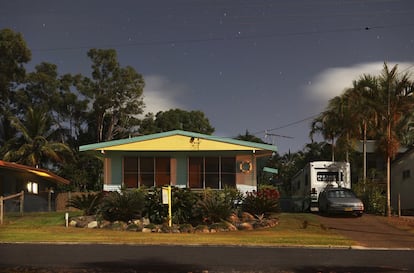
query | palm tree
(336,124)
(390,95)
(33,145)
(325,125)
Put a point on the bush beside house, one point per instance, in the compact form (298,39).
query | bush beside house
(192,211)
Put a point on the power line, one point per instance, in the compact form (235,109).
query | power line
(215,39)
(286,125)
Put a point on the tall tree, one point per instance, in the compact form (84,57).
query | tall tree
(115,93)
(249,137)
(327,124)
(45,89)
(176,119)
(391,96)
(14,54)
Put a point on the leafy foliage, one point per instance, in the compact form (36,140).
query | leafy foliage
(32,144)
(14,53)
(116,95)
(84,172)
(263,201)
(156,212)
(122,206)
(88,203)
(183,203)
(372,195)
(216,206)
(176,119)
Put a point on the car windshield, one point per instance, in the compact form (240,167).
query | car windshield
(340,194)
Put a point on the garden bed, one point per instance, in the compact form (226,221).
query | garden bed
(234,223)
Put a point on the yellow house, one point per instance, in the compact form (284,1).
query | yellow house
(182,159)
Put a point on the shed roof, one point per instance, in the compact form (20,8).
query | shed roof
(36,171)
(178,140)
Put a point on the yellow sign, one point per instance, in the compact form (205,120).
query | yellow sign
(166,200)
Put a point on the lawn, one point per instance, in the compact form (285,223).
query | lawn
(292,230)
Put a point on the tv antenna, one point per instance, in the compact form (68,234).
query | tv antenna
(275,135)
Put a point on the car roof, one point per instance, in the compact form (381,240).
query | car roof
(336,189)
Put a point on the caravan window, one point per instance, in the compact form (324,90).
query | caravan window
(329,176)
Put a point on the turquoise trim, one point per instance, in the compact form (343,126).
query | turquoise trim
(270,170)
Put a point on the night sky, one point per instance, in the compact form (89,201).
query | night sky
(248,65)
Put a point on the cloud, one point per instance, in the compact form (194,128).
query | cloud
(160,94)
(333,81)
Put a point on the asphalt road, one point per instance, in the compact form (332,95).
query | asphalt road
(203,259)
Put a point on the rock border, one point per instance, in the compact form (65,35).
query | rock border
(234,223)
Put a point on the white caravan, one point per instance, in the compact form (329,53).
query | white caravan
(309,182)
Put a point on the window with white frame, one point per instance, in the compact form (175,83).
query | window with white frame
(32,187)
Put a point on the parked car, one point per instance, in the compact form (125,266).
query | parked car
(340,200)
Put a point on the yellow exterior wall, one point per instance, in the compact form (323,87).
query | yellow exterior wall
(178,143)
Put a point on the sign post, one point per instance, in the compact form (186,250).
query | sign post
(166,200)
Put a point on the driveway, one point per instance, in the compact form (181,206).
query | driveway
(369,231)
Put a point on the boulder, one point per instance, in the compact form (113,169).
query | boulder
(93,224)
(146,230)
(246,226)
(234,218)
(247,217)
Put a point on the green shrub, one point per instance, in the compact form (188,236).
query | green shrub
(234,197)
(122,206)
(154,209)
(372,195)
(263,201)
(183,203)
(215,206)
(88,203)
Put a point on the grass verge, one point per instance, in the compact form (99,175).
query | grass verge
(292,230)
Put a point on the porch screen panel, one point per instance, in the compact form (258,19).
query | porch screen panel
(212,166)
(228,172)
(146,168)
(131,172)
(195,172)
(162,171)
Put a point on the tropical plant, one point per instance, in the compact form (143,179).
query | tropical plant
(84,172)
(249,137)
(263,201)
(87,202)
(122,206)
(337,124)
(372,195)
(154,209)
(183,202)
(390,95)
(31,146)
(215,206)
(380,107)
